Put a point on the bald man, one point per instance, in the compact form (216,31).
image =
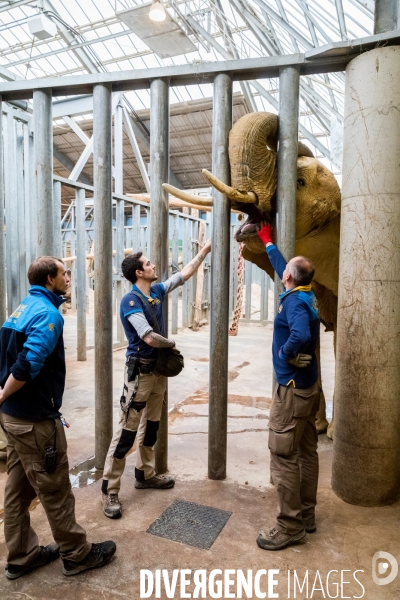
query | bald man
(292,434)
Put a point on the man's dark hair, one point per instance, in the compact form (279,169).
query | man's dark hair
(130,265)
(41,268)
(302,270)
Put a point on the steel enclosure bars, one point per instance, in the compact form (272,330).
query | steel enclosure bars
(43,131)
(159,214)
(218,396)
(103,270)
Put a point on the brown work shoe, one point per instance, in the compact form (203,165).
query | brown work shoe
(111,506)
(46,555)
(158,482)
(277,540)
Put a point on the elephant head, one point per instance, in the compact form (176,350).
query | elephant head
(253,144)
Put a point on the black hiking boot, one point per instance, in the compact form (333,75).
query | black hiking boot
(99,555)
(47,555)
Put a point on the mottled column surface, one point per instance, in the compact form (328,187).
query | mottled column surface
(366,465)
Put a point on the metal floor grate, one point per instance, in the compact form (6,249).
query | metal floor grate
(190,523)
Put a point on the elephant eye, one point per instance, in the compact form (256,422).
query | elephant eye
(301,182)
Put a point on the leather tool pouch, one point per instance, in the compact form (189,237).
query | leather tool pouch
(170,361)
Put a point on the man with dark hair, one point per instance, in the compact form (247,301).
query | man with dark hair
(144,387)
(293,436)
(32,379)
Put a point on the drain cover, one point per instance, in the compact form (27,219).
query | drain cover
(190,523)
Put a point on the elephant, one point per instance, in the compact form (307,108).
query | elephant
(253,143)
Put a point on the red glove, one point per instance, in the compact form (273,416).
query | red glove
(265,234)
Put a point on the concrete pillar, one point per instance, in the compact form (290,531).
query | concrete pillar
(386,15)
(366,461)
(220,256)
(80,274)
(159,249)
(3,287)
(43,128)
(102,179)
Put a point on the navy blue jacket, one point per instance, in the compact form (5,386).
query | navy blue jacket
(32,349)
(296,330)
(133,303)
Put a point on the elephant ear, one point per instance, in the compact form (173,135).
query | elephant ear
(252,154)
(304,150)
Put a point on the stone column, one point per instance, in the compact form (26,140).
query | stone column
(366,462)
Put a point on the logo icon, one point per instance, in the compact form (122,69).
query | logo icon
(386,560)
(51,326)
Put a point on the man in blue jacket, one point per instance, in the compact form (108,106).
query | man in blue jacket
(32,379)
(292,433)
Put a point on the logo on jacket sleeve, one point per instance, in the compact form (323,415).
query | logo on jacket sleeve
(131,303)
(51,326)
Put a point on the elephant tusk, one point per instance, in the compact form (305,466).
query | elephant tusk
(190,198)
(230,192)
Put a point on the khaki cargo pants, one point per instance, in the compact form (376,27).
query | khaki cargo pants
(293,441)
(27,479)
(141,421)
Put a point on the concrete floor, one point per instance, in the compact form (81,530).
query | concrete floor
(347,536)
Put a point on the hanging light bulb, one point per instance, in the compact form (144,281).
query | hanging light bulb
(157,11)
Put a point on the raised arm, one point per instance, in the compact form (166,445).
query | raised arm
(275,257)
(194,264)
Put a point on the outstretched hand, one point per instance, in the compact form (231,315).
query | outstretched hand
(265,233)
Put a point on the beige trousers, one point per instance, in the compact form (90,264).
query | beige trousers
(141,421)
(293,441)
(27,479)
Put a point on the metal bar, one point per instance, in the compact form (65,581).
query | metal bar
(10,176)
(119,212)
(43,128)
(341,19)
(27,200)
(135,227)
(218,402)
(289,81)
(175,260)
(191,74)
(32,196)
(386,15)
(103,270)
(185,260)
(73,253)
(247,279)
(20,201)
(57,218)
(264,296)
(3,285)
(159,165)
(80,274)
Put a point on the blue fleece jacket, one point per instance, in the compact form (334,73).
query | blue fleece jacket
(32,349)
(296,330)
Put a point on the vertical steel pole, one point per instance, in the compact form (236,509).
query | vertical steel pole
(73,253)
(13,291)
(248,272)
(386,15)
(3,287)
(289,87)
(120,212)
(136,228)
(80,273)
(175,261)
(185,260)
(159,166)
(103,269)
(32,197)
(57,218)
(218,405)
(43,128)
(29,214)
(20,202)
